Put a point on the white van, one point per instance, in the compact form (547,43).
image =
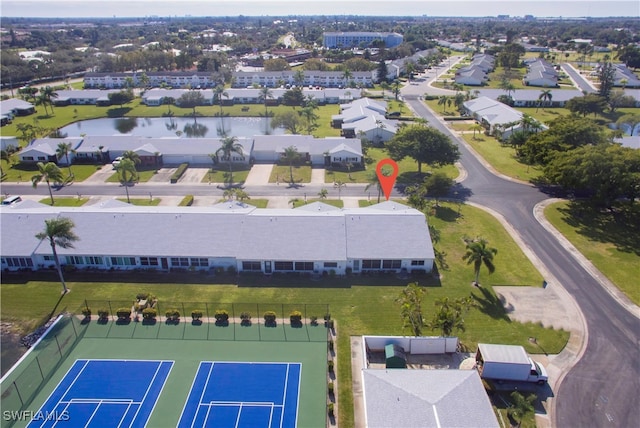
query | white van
(11,200)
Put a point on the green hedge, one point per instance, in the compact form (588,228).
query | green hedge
(179,172)
(171,313)
(269,317)
(149,314)
(221,315)
(196,314)
(187,201)
(103,313)
(295,316)
(123,312)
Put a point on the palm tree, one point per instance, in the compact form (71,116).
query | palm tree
(290,156)
(168,101)
(265,94)
(476,127)
(374,180)
(545,96)
(132,156)
(128,173)
(479,253)
(41,100)
(220,92)
(323,193)
(385,87)
(47,172)
(63,150)
(442,101)
(521,406)
(229,146)
(59,232)
(49,94)
(346,76)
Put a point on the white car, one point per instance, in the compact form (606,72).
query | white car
(116,161)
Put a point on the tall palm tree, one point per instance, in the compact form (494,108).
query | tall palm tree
(132,156)
(63,150)
(47,172)
(298,77)
(290,156)
(59,232)
(41,100)
(479,253)
(49,94)
(476,127)
(265,94)
(385,87)
(229,146)
(347,75)
(128,173)
(220,92)
(545,96)
(374,180)
(443,102)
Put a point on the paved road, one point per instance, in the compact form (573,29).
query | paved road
(577,78)
(603,388)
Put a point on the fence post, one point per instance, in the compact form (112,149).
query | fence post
(206,307)
(58,343)
(40,368)
(73,325)
(110,309)
(18,392)
(233,316)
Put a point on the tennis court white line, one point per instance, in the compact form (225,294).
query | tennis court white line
(239,403)
(193,382)
(295,423)
(284,393)
(86,363)
(99,401)
(204,388)
(164,383)
(144,398)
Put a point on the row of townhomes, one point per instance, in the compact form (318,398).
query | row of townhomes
(540,73)
(313,78)
(365,118)
(354,39)
(476,73)
(157,152)
(156,97)
(14,107)
(494,116)
(241,79)
(624,77)
(313,239)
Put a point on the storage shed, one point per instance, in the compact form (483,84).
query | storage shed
(395,357)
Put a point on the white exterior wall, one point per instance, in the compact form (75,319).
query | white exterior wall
(6,142)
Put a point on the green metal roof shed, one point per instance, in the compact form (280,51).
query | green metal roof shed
(395,357)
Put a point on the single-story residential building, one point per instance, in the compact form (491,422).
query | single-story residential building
(318,151)
(156,97)
(365,118)
(494,115)
(44,150)
(426,398)
(16,107)
(541,73)
(7,142)
(83,97)
(624,77)
(325,79)
(531,97)
(231,235)
(471,77)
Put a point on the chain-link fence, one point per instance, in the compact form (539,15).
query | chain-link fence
(20,388)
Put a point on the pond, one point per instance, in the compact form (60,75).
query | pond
(211,127)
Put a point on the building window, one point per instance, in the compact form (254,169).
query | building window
(200,262)
(180,261)
(250,265)
(93,260)
(149,261)
(391,264)
(27,158)
(123,261)
(417,262)
(17,261)
(304,266)
(74,260)
(370,264)
(283,265)
(48,258)
(41,158)
(330,264)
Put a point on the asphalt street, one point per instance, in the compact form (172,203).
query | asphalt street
(603,388)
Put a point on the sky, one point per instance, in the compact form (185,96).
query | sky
(141,8)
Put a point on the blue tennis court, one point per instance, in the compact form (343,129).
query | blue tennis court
(105,393)
(243,395)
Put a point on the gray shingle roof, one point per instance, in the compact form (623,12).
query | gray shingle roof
(426,398)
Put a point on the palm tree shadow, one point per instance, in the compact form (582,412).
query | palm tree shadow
(490,304)
(55,307)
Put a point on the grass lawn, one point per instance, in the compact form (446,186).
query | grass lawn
(144,175)
(65,202)
(407,170)
(258,203)
(220,174)
(359,304)
(280,173)
(21,172)
(142,202)
(363,203)
(338,203)
(501,157)
(544,115)
(610,243)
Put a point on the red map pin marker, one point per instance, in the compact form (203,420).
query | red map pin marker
(387,181)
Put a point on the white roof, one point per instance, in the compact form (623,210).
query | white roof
(503,353)
(48,146)
(426,398)
(305,144)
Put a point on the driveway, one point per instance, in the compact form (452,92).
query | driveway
(259,175)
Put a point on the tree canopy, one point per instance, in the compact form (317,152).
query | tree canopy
(289,120)
(191,99)
(120,97)
(424,145)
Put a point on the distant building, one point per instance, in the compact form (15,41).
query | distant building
(333,40)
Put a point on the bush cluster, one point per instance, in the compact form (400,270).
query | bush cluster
(123,312)
(171,313)
(295,316)
(269,317)
(196,314)
(221,315)
(179,172)
(149,314)
(187,201)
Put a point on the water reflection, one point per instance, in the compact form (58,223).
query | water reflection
(125,125)
(195,130)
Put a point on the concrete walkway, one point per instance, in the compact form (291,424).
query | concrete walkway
(259,175)
(317,175)
(101,175)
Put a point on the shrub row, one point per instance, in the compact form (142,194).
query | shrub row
(187,201)
(179,172)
